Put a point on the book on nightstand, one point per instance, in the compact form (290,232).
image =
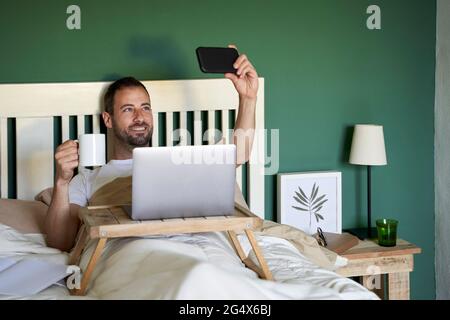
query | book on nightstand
(340,243)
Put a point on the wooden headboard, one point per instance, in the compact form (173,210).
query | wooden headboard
(35,118)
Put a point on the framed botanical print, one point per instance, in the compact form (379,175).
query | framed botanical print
(308,200)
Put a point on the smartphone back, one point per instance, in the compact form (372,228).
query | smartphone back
(217,60)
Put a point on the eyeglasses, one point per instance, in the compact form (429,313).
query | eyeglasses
(321,238)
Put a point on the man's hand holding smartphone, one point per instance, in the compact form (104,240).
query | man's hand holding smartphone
(236,67)
(246,79)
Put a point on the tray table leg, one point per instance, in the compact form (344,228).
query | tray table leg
(263,271)
(90,268)
(76,253)
(236,245)
(259,256)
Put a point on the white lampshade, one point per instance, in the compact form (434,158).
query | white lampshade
(368,145)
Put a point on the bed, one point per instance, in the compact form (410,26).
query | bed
(35,118)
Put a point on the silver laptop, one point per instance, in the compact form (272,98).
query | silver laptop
(183,181)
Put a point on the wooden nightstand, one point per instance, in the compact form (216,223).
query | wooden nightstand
(373,264)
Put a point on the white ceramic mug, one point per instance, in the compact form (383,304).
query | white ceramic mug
(91,149)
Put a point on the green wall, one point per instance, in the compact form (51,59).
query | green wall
(324,71)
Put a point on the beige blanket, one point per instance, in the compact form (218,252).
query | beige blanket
(118,192)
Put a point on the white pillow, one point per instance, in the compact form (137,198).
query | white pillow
(24,216)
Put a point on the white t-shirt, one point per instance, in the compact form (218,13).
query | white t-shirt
(86,182)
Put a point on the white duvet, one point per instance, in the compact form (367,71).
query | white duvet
(189,266)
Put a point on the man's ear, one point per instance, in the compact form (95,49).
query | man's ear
(107,119)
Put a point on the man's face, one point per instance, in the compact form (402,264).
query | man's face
(132,121)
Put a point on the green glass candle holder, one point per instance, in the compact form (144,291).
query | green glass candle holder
(387,232)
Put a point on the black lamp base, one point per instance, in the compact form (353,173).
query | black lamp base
(363,233)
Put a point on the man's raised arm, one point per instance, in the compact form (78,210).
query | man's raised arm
(246,83)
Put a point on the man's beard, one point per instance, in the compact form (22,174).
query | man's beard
(134,141)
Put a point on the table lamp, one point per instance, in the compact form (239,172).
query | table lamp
(367,149)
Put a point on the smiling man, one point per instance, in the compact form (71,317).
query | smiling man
(128,114)
(133,123)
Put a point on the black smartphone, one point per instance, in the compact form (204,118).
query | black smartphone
(217,60)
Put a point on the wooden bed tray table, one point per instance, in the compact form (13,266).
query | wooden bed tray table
(105,222)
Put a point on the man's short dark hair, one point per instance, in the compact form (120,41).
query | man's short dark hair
(127,82)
